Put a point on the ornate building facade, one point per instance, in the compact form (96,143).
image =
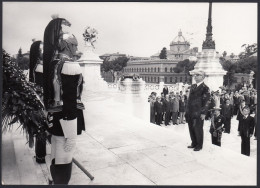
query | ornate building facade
(155,70)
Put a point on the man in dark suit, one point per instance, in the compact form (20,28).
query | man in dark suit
(158,109)
(197,108)
(227,112)
(167,109)
(246,129)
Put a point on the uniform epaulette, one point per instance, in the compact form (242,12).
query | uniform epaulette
(71,68)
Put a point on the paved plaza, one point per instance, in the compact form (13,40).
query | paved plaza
(121,147)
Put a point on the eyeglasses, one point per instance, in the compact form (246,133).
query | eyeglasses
(197,75)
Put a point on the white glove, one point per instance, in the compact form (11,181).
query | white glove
(70,144)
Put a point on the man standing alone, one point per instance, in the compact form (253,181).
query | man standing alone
(197,108)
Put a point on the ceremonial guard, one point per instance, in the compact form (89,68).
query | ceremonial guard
(63,83)
(216,127)
(36,76)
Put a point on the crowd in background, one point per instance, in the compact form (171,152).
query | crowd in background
(169,107)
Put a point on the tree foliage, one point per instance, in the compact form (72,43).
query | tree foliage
(245,64)
(115,65)
(22,61)
(248,50)
(184,66)
(163,54)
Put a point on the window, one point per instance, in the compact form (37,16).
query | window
(158,79)
(148,79)
(151,79)
(180,79)
(142,69)
(158,69)
(152,69)
(165,79)
(165,69)
(154,79)
(170,69)
(148,69)
(176,79)
(170,79)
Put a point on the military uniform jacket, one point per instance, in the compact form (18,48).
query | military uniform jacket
(70,76)
(218,124)
(247,125)
(198,101)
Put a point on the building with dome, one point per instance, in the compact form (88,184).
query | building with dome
(155,70)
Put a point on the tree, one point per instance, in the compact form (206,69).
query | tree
(230,67)
(114,66)
(22,61)
(163,54)
(248,50)
(184,66)
(245,64)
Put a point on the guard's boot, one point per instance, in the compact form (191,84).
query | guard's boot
(61,173)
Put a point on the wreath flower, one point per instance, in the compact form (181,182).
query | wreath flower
(90,35)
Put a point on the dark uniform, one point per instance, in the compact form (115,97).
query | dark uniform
(158,108)
(227,112)
(246,129)
(167,110)
(216,129)
(197,105)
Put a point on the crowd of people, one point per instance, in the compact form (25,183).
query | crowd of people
(170,108)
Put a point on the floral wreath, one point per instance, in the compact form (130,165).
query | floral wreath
(90,35)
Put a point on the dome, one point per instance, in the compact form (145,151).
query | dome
(179,39)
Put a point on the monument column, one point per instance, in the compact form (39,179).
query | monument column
(208,60)
(90,63)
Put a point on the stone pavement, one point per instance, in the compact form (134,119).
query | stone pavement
(121,149)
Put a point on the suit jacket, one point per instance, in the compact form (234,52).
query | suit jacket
(166,106)
(158,107)
(227,110)
(175,105)
(182,106)
(247,126)
(198,101)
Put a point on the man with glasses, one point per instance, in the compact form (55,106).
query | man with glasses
(197,107)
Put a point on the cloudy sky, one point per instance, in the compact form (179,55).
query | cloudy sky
(138,29)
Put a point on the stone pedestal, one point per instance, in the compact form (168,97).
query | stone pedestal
(90,63)
(208,61)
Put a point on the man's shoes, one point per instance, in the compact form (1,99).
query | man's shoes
(191,146)
(197,149)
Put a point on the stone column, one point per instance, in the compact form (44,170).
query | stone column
(90,63)
(208,61)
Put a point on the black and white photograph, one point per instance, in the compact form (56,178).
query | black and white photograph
(129,93)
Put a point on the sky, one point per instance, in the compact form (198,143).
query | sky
(136,29)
